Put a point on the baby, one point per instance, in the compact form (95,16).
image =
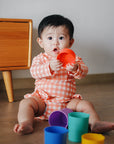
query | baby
(55,87)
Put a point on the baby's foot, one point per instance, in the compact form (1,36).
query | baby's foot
(102,127)
(23,128)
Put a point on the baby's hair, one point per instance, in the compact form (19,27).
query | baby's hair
(55,21)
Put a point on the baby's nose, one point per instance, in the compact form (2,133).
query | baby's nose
(55,41)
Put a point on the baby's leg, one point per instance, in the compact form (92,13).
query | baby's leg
(95,124)
(27,109)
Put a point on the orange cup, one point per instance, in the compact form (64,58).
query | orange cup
(66,56)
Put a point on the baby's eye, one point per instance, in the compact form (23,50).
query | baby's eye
(50,38)
(61,38)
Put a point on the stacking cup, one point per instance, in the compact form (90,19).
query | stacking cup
(93,138)
(55,135)
(77,125)
(59,118)
(66,56)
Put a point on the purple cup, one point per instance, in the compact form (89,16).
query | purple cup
(59,118)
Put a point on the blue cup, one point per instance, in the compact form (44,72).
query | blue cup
(55,135)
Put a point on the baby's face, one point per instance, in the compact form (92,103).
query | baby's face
(53,39)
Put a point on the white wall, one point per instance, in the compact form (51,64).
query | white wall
(94,28)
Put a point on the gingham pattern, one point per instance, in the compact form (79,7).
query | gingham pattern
(56,88)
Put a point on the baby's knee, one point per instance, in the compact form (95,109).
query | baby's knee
(73,104)
(24,101)
(86,105)
(27,103)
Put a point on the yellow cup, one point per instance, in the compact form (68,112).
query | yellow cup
(93,138)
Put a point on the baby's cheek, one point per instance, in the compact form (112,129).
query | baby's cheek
(62,45)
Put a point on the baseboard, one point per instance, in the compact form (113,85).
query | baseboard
(24,83)
(20,83)
(97,78)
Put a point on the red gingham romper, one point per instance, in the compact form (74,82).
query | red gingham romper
(55,89)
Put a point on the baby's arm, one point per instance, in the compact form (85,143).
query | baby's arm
(55,65)
(40,67)
(79,69)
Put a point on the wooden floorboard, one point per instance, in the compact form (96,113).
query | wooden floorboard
(101,95)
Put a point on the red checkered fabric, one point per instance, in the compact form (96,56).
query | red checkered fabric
(56,88)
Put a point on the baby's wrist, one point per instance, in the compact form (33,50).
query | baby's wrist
(76,67)
(51,70)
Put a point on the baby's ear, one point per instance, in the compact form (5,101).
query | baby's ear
(71,42)
(40,42)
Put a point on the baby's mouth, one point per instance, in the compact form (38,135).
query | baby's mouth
(56,50)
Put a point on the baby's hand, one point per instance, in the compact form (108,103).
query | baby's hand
(72,67)
(55,65)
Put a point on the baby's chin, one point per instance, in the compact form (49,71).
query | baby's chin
(54,55)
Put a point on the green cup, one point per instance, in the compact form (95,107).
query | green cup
(77,125)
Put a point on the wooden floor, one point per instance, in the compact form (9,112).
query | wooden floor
(101,95)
